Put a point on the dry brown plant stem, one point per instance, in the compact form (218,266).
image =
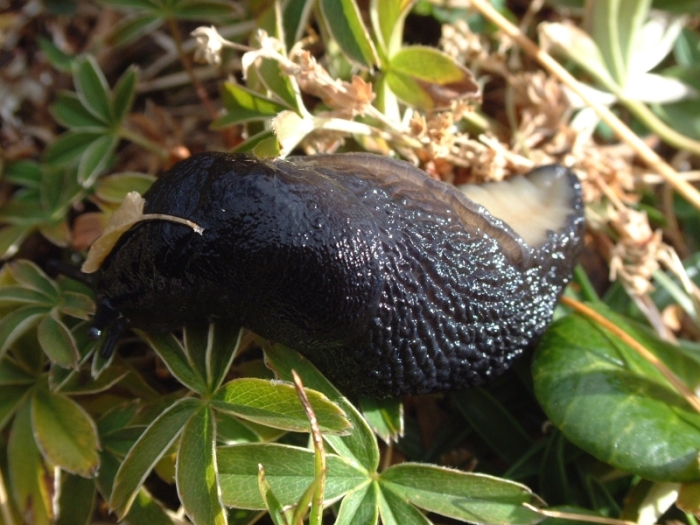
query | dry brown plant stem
(621,130)
(672,378)
(199,88)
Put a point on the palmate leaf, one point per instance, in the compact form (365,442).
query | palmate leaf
(360,446)
(289,471)
(475,498)
(359,506)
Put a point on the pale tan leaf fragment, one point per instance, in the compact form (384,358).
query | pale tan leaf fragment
(123,218)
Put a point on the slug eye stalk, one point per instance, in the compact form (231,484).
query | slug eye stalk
(390,282)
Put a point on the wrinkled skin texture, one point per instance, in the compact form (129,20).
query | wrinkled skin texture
(390,282)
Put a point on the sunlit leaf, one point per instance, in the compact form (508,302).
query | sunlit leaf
(395,510)
(359,506)
(197,483)
(476,498)
(646,426)
(427,78)
(289,470)
(361,445)
(342,17)
(277,405)
(114,188)
(153,443)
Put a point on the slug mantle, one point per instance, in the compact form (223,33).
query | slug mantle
(390,282)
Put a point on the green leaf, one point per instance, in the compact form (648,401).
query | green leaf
(17,322)
(56,57)
(11,238)
(342,17)
(67,148)
(230,431)
(686,48)
(429,79)
(289,470)
(197,484)
(65,433)
(146,509)
(11,397)
(359,506)
(113,188)
(151,446)
(294,20)
(12,374)
(132,27)
(57,341)
(388,18)
(69,111)
(77,305)
(361,445)
(77,500)
(92,88)
(19,295)
(212,348)
(267,149)
(29,275)
(25,173)
(272,504)
(95,159)
(646,427)
(30,479)
(476,498)
(243,105)
(385,416)
(199,9)
(395,510)
(171,351)
(494,423)
(270,74)
(277,405)
(249,144)
(124,95)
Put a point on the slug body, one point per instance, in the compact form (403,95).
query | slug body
(390,282)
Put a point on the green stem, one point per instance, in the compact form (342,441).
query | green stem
(588,292)
(143,142)
(655,124)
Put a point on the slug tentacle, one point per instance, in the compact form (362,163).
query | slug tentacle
(391,282)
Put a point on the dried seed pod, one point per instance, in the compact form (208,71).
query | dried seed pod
(390,282)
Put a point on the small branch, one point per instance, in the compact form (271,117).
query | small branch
(672,378)
(607,116)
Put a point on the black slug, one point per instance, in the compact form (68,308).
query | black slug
(390,282)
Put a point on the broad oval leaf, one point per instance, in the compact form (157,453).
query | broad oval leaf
(28,274)
(342,17)
(476,498)
(17,322)
(429,79)
(65,433)
(277,405)
(150,447)
(197,483)
(289,470)
(610,402)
